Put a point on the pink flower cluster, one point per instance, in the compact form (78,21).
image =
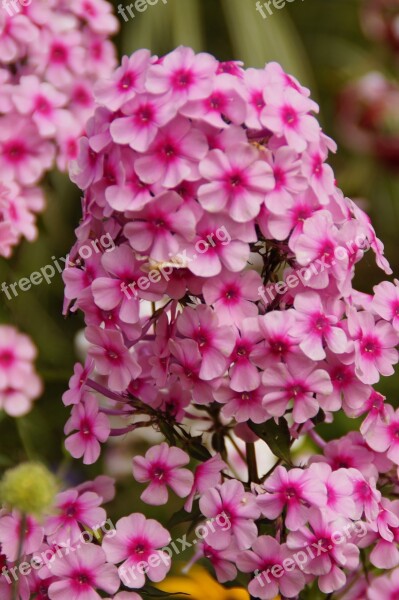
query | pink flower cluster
(73,552)
(19,383)
(51,54)
(212,181)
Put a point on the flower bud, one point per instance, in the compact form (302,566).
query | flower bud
(29,488)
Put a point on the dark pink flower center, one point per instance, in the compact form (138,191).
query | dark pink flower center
(327,251)
(59,53)
(394,429)
(139,547)
(290,116)
(236,179)
(279,347)
(6,358)
(42,105)
(15,151)
(168,151)
(216,101)
(81,96)
(231,292)
(89,9)
(297,390)
(317,165)
(70,511)
(82,578)
(291,493)
(370,347)
(257,100)
(85,427)
(279,177)
(159,473)
(144,114)
(321,323)
(127,82)
(182,79)
(202,338)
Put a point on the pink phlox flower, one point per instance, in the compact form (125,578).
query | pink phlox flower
(266,559)
(319,174)
(215,342)
(238,510)
(184,74)
(162,467)
(77,382)
(279,344)
(81,573)
(125,82)
(91,427)
(384,435)
(288,181)
(224,104)
(75,510)
(288,115)
(328,564)
(238,182)
(174,155)
(206,475)
(317,326)
(386,302)
(112,358)
(10,533)
(299,381)
(374,346)
(243,405)
(162,227)
(233,295)
(136,540)
(293,491)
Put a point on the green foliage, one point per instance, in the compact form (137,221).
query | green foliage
(277,437)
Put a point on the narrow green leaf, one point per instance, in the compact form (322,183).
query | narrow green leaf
(277,437)
(153,592)
(182,516)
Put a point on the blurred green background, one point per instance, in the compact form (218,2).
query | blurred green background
(319,41)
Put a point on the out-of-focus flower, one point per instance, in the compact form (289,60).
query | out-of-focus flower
(51,54)
(19,382)
(368,117)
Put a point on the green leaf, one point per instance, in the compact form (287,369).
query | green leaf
(197,450)
(153,592)
(319,418)
(187,24)
(182,516)
(168,431)
(276,435)
(257,40)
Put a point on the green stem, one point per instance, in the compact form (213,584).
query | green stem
(251,462)
(19,555)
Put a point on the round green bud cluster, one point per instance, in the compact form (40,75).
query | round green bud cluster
(29,488)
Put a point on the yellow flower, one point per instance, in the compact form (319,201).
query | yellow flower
(199,585)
